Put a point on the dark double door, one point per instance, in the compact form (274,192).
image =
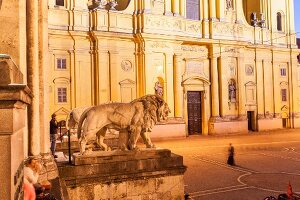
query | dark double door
(194,112)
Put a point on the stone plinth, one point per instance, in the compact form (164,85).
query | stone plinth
(144,174)
(9,71)
(14,98)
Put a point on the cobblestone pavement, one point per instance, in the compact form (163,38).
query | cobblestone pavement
(265,164)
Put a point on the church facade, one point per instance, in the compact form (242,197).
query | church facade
(223,66)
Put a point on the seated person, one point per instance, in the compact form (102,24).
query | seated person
(32,188)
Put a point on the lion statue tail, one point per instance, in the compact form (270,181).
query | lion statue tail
(81,120)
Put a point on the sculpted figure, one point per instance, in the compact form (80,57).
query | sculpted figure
(229,4)
(232,91)
(159,89)
(135,118)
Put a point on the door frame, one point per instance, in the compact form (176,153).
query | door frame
(199,84)
(201,113)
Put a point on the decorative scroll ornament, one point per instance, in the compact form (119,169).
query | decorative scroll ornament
(103,4)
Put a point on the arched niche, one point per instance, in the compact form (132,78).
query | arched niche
(250,7)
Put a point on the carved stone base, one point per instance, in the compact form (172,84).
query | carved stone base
(143,174)
(227,127)
(49,168)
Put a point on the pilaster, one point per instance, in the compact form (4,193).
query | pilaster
(241,88)
(214,87)
(178,90)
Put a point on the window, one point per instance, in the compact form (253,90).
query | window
(283,71)
(298,57)
(283,95)
(61,95)
(279,22)
(60,2)
(192,9)
(61,63)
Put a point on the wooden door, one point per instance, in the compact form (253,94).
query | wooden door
(194,112)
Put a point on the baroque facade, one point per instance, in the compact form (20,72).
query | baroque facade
(223,66)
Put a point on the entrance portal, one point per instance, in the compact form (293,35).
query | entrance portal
(284,122)
(250,116)
(194,112)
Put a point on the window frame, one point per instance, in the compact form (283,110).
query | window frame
(62,96)
(61,63)
(282,71)
(279,21)
(284,95)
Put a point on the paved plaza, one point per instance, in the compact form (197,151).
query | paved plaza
(265,164)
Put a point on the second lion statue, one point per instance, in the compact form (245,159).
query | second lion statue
(135,118)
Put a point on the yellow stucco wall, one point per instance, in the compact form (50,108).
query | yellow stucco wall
(119,55)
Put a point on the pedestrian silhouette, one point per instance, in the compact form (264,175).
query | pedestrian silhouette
(230,160)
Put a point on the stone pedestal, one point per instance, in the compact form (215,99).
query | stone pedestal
(144,174)
(14,98)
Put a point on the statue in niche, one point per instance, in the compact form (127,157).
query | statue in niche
(229,4)
(232,91)
(159,90)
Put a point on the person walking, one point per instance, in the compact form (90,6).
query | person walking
(230,160)
(53,134)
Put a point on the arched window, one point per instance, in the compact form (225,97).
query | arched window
(279,22)
(192,9)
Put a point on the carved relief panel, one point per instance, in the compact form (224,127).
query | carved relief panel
(250,88)
(249,70)
(126,66)
(195,67)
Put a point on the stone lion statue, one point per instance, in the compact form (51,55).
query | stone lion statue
(133,119)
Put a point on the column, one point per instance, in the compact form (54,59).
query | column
(175,6)
(205,22)
(182,8)
(178,90)
(212,9)
(205,9)
(214,87)
(33,77)
(43,77)
(168,7)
